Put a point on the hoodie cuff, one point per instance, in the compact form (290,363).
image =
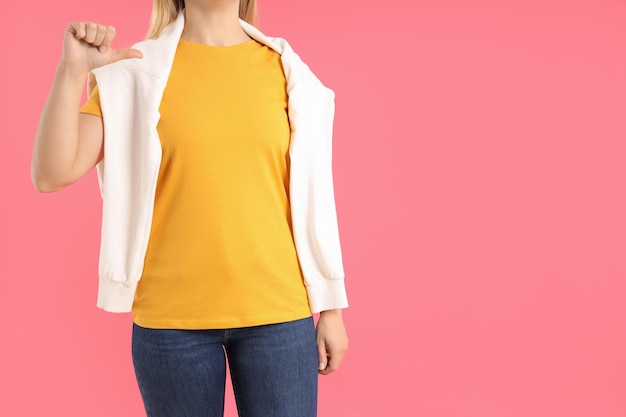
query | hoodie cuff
(115,297)
(327,294)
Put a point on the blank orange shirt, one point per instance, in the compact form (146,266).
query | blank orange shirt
(221,252)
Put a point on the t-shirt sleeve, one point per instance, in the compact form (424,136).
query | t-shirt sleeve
(92,105)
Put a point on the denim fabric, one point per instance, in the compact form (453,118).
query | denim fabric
(182,373)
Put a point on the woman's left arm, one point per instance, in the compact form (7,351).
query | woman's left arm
(332,341)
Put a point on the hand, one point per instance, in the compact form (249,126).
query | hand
(87,46)
(332,341)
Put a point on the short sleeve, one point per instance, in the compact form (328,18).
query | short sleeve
(92,105)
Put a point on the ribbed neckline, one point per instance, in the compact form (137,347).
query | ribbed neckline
(220,49)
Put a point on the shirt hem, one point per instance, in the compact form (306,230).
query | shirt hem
(216,324)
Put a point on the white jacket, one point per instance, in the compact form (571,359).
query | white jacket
(130,96)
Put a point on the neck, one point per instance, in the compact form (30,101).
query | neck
(213,22)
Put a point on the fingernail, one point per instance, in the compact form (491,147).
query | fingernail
(321,366)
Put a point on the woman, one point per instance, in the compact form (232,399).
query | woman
(212,143)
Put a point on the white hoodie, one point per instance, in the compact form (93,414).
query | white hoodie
(130,96)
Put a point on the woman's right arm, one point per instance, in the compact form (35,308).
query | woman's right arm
(68,144)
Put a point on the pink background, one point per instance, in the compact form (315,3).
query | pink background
(480,169)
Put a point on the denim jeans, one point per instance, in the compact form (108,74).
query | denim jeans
(273,368)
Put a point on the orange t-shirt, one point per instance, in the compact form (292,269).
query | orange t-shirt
(221,252)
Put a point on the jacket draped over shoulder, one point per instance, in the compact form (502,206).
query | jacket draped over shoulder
(130,95)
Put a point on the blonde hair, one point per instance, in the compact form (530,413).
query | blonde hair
(165,12)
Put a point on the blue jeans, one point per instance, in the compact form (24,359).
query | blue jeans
(273,368)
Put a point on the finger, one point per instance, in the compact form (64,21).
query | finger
(91,30)
(108,38)
(101,32)
(324,371)
(334,360)
(331,365)
(77,28)
(335,355)
(126,53)
(322,356)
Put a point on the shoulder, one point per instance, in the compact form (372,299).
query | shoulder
(290,58)
(298,72)
(306,76)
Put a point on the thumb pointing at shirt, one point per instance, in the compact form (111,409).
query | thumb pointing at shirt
(87,46)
